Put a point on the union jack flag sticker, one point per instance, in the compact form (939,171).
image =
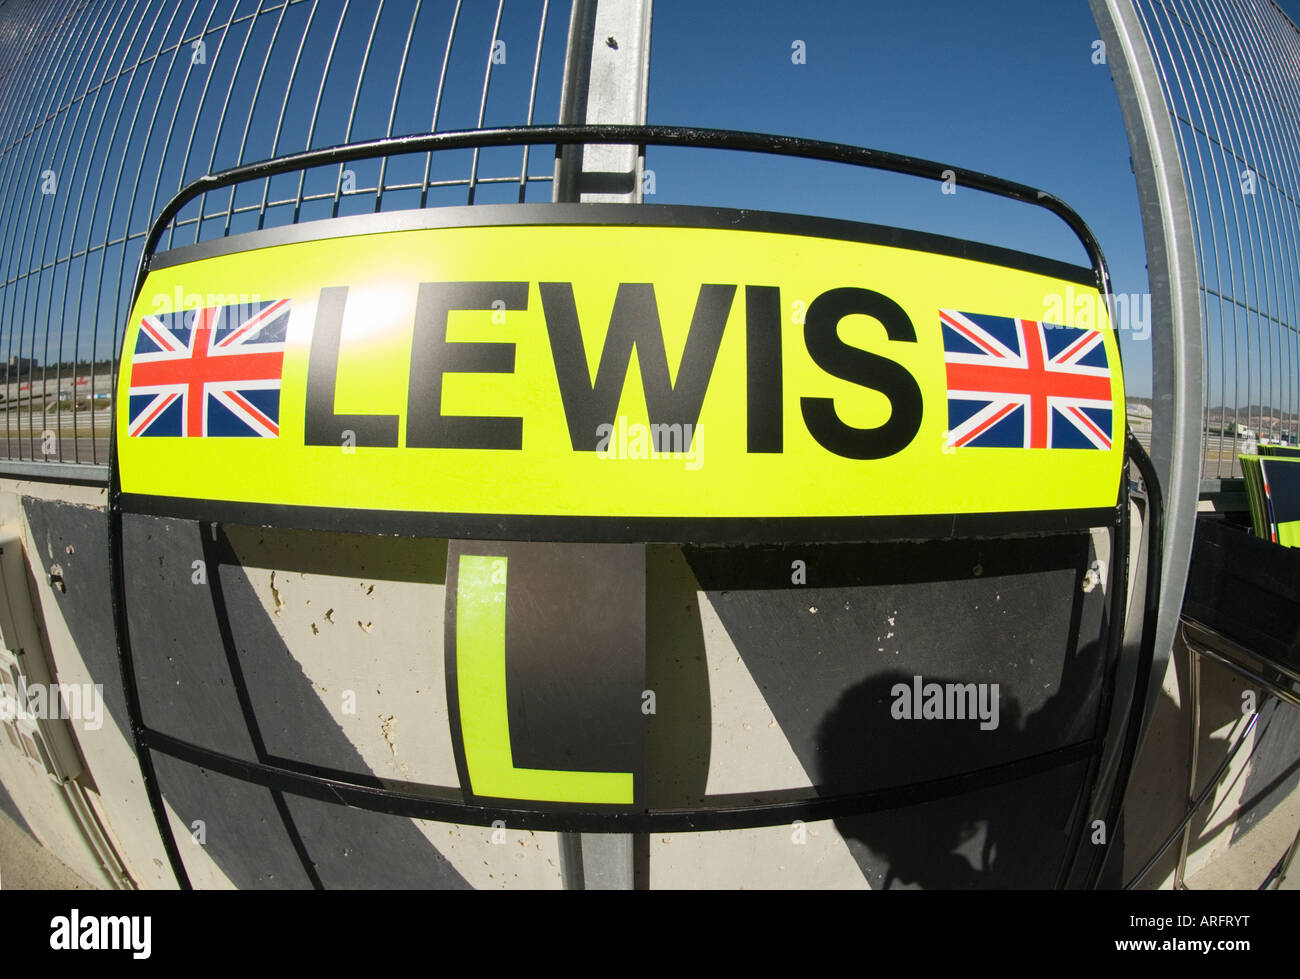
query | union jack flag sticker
(1026,384)
(209,372)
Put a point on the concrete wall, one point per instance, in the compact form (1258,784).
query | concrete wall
(763,688)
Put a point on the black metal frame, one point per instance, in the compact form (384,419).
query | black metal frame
(1201,640)
(441,803)
(1144,642)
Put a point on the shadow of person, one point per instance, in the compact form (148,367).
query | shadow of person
(1014,834)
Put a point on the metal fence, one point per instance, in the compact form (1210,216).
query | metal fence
(109,107)
(1230,71)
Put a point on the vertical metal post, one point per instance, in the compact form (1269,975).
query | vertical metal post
(606,80)
(1177,387)
(1193,760)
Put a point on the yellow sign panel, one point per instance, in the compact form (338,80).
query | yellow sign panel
(630,371)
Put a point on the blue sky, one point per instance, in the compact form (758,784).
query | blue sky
(1014,94)
(1009,88)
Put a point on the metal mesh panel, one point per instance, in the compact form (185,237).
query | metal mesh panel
(109,107)
(1231,74)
